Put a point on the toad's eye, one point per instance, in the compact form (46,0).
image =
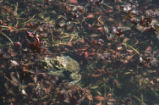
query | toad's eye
(57,64)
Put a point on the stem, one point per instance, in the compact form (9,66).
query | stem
(29,19)
(6,36)
(134,49)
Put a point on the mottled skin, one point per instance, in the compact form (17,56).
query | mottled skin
(60,64)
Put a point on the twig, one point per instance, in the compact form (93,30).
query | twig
(29,19)
(134,49)
(2,33)
(110,7)
(14,29)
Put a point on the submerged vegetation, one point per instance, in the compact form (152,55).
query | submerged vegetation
(110,48)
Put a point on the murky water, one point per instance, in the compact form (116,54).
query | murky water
(115,43)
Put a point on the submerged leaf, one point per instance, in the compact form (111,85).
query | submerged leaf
(90,15)
(73,1)
(89,96)
(99,98)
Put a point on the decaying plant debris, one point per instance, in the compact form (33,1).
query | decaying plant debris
(115,43)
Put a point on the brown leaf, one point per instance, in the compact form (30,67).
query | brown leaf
(100,29)
(33,26)
(96,75)
(111,19)
(67,100)
(129,57)
(73,1)
(119,48)
(129,51)
(86,55)
(19,44)
(35,46)
(116,82)
(89,96)
(125,40)
(90,15)
(69,44)
(99,98)
(12,52)
(14,63)
(100,71)
(11,29)
(124,61)
(82,41)
(148,48)
(30,34)
(99,103)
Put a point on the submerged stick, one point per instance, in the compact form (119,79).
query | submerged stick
(2,33)
(134,49)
